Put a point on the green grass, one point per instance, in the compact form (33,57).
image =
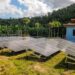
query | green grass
(27,64)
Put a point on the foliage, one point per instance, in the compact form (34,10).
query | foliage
(26,20)
(55,24)
(62,15)
(34,24)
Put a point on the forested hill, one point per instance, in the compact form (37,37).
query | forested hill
(62,15)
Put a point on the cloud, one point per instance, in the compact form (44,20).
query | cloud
(42,7)
(7,8)
(56,4)
(34,7)
(72,0)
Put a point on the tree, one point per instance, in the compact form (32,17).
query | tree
(37,26)
(0,30)
(26,21)
(54,24)
(50,31)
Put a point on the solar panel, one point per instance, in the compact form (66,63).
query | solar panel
(4,40)
(46,47)
(63,44)
(17,45)
(71,50)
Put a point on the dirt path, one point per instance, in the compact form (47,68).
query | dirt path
(4,58)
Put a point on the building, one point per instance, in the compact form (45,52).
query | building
(70,30)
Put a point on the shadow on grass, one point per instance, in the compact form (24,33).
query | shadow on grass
(37,57)
(11,53)
(66,66)
(30,58)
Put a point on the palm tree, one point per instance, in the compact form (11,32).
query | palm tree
(54,24)
(37,25)
(50,31)
(26,21)
(0,29)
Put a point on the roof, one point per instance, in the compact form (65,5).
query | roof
(73,20)
(69,24)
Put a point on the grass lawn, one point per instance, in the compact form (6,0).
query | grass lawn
(27,64)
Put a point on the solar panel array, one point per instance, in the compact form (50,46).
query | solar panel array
(43,46)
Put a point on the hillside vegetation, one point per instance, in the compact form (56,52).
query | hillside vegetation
(63,15)
(27,64)
(40,25)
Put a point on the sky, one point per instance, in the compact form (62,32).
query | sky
(30,8)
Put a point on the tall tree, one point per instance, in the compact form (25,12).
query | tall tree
(26,21)
(55,24)
(37,26)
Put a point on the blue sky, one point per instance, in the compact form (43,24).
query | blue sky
(17,4)
(30,8)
